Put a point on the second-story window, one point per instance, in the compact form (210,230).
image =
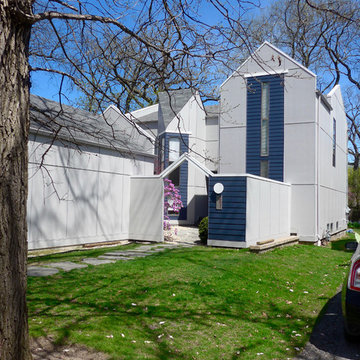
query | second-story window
(265,104)
(174,154)
(174,149)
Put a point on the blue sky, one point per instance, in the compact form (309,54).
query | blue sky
(48,85)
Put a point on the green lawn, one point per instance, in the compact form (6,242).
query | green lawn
(340,243)
(194,303)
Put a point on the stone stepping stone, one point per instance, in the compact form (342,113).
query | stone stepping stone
(169,247)
(144,248)
(66,265)
(115,258)
(41,271)
(140,249)
(127,253)
(96,261)
(151,250)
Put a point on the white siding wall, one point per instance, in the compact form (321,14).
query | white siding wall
(267,210)
(232,149)
(191,120)
(146,209)
(332,180)
(212,143)
(77,198)
(300,150)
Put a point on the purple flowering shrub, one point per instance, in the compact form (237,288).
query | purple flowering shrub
(172,201)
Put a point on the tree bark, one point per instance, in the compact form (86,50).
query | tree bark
(14,127)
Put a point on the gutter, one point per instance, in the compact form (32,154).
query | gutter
(317,168)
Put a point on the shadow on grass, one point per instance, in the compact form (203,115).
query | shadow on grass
(207,302)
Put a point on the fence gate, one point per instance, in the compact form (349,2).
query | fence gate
(146,208)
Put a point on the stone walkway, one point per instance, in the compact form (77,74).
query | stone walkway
(186,234)
(109,257)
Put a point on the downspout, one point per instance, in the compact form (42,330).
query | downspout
(318,170)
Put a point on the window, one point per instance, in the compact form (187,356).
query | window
(174,149)
(265,104)
(174,176)
(218,202)
(264,168)
(162,149)
(161,155)
(334,143)
(174,154)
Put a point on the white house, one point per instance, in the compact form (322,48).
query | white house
(182,124)
(79,183)
(275,151)
(282,128)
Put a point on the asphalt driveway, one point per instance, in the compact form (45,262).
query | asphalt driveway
(327,340)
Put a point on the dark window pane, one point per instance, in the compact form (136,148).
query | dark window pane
(175,176)
(264,168)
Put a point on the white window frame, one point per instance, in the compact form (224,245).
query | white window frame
(174,149)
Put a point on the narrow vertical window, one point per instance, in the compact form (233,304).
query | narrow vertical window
(162,149)
(174,154)
(334,143)
(264,168)
(219,202)
(265,102)
(162,154)
(174,149)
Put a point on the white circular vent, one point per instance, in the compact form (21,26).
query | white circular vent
(218,188)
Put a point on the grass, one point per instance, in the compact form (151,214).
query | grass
(194,303)
(339,244)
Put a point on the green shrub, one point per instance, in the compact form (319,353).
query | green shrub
(354,225)
(203,230)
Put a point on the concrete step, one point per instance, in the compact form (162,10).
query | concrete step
(270,244)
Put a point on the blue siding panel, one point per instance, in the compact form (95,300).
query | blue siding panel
(276,126)
(228,224)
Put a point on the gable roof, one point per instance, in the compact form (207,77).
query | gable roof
(78,126)
(186,157)
(145,115)
(280,52)
(172,101)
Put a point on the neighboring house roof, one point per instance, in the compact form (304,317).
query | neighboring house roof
(146,114)
(145,119)
(78,126)
(172,101)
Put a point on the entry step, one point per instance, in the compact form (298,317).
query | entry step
(266,245)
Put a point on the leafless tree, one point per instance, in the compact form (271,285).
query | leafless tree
(342,43)
(70,29)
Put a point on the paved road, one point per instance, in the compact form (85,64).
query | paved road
(328,341)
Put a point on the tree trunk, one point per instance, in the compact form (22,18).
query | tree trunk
(356,161)
(14,127)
